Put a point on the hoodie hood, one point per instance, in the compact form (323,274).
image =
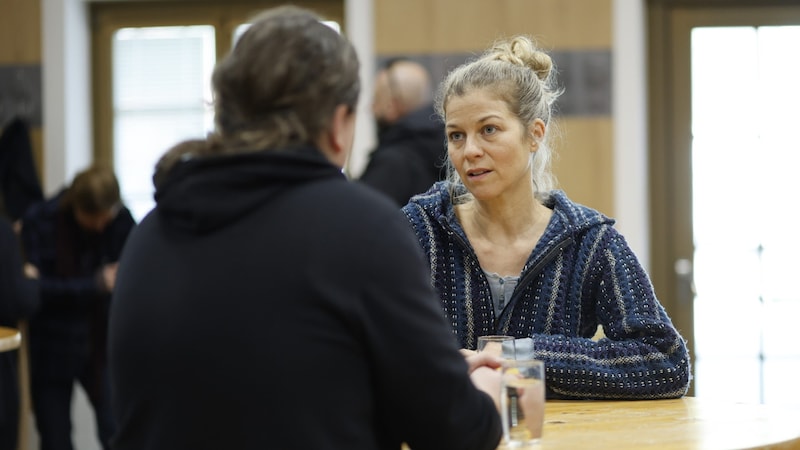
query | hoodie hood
(568,217)
(206,193)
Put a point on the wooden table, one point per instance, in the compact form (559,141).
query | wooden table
(687,423)
(9,339)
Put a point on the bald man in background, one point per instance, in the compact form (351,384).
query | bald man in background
(411,151)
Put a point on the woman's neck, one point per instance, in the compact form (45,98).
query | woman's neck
(504,220)
(503,235)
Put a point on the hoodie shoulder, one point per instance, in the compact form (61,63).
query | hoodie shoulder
(433,202)
(577,215)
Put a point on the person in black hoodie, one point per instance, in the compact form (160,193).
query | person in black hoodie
(267,302)
(411,151)
(19,298)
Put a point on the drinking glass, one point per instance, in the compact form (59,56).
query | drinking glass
(500,346)
(522,402)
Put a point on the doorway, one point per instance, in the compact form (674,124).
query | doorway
(723,100)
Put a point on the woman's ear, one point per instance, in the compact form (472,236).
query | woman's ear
(536,130)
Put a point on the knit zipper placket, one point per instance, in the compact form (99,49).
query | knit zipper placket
(530,275)
(471,253)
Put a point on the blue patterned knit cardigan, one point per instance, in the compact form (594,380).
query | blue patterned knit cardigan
(581,274)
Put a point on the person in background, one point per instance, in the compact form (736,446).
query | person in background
(509,254)
(74,240)
(19,298)
(410,152)
(257,306)
(19,182)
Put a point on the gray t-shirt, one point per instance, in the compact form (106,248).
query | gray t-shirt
(502,288)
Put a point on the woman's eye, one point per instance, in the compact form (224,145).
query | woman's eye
(456,136)
(489,129)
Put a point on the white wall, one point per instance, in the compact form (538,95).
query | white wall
(359,19)
(629,110)
(66,72)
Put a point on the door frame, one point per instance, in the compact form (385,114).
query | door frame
(670,155)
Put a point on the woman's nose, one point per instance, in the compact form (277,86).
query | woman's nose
(472,147)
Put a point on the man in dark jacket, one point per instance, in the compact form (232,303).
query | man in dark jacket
(411,151)
(74,240)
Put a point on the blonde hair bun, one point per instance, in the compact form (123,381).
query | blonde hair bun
(522,51)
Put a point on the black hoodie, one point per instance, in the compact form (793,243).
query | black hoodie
(267,302)
(409,158)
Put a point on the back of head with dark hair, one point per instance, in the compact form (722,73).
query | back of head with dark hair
(278,88)
(281,83)
(94,190)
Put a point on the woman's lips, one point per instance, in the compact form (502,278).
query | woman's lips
(476,173)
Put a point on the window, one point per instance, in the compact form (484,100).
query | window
(161,96)
(744,155)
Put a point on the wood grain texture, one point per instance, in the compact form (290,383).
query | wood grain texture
(425,26)
(681,424)
(37,145)
(584,161)
(20,32)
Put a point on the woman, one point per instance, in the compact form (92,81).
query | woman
(247,312)
(510,255)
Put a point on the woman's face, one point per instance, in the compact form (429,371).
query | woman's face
(488,146)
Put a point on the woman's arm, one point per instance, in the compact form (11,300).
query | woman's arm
(642,356)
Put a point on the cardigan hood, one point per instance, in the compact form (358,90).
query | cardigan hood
(203,194)
(568,217)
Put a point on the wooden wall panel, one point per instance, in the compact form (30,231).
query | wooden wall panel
(583,161)
(37,143)
(436,26)
(21,45)
(20,32)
